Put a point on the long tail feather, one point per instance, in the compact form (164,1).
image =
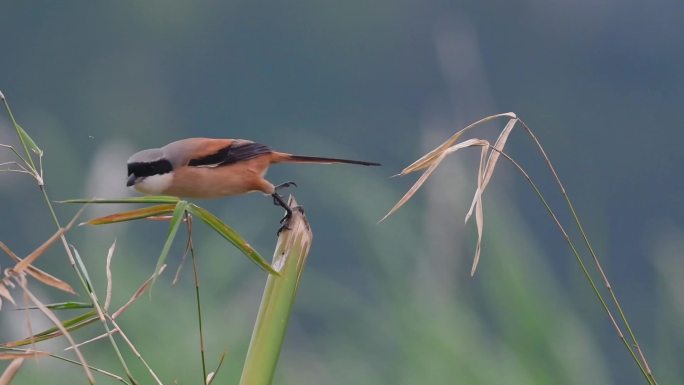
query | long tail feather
(282,157)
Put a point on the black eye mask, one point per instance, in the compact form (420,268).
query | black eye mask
(143,169)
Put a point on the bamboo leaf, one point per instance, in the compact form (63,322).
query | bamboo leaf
(176,221)
(28,141)
(70,325)
(231,236)
(69,305)
(141,199)
(133,214)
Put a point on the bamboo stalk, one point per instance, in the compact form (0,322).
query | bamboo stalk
(277,300)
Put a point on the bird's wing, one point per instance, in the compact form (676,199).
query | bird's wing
(236,151)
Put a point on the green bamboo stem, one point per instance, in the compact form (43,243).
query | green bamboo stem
(276,303)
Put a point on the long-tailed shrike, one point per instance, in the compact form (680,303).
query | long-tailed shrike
(211,168)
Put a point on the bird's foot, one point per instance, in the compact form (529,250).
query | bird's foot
(285,185)
(285,221)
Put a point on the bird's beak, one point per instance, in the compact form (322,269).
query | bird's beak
(131,180)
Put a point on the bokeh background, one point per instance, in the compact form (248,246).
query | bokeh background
(600,82)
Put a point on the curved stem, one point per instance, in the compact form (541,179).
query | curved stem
(580,261)
(597,263)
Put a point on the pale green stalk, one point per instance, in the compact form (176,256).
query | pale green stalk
(277,300)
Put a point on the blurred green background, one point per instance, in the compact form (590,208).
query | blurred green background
(600,82)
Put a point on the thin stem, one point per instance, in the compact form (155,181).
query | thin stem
(580,261)
(93,368)
(23,143)
(188,219)
(73,259)
(16,153)
(21,280)
(594,256)
(82,276)
(135,351)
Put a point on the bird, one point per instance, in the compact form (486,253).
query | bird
(213,168)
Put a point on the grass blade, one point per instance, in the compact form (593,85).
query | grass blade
(69,325)
(176,221)
(231,236)
(289,259)
(69,305)
(141,199)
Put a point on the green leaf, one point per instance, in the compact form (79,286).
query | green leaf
(176,221)
(79,261)
(133,214)
(70,325)
(27,141)
(231,235)
(141,199)
(62,306)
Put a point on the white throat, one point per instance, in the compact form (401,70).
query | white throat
(155,184)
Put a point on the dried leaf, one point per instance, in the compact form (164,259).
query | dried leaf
(49,314)
(141,290)
(22,354)
(101,336)
(212,376)
(6,294)
(493,158)
(108,270)
(427,159)
(435,162)
(416,186)
(140,213)
(479,216)
(21,266)
(11,371)
(39,274)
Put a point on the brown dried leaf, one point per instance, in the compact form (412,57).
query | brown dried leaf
(479,216)
(22,354)
(39,274)
(416,186)
(491,161)
(49,279)
(433,166)
(144,212)
(50,315)
(21,266)
(11,371)
(427,159)
(141,290)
